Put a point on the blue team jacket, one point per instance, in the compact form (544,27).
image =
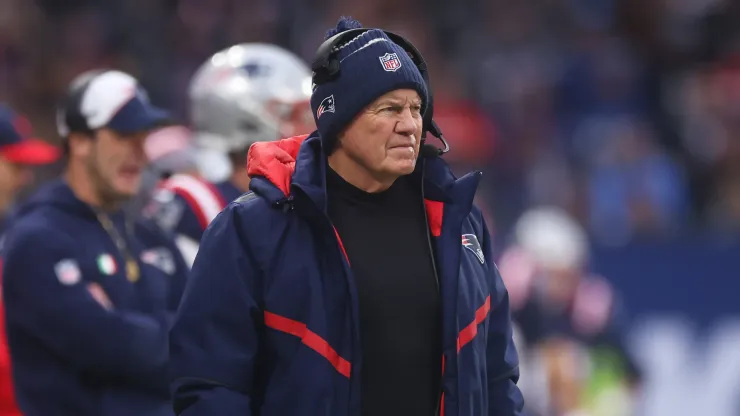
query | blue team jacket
(269,319)
(69,355)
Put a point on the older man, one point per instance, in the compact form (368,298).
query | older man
(356,278)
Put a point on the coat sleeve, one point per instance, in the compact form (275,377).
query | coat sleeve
(504,396)
(214,339)
(55,306)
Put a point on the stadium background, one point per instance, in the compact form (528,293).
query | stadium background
(624,112)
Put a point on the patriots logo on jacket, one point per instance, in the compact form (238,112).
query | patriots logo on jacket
(470,241)
(160,258)
(326,106)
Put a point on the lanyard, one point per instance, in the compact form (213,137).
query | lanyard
(132,267)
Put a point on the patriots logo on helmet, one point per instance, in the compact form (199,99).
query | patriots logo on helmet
(326,106)
(390,62)
(470,241)
(256,69)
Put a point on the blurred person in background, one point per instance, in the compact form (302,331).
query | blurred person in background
(244,94)
(170,151)
(88,292)
(19,152)
(634,188)
(570,321)
(357,278)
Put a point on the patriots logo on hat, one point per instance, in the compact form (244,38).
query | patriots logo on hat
(326,106)
(470,241)
(390,62)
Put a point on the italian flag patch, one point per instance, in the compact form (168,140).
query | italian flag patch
(107,264)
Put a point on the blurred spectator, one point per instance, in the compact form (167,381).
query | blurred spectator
(570,321)
(633,187)
(169,151)
(88,291)
(243,94)
(18,152)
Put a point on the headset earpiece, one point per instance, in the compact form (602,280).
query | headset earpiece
(325,66)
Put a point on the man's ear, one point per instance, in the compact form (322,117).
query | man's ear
(80,145)
(338,141)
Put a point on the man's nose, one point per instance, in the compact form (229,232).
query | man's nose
(408,124)
(138,146)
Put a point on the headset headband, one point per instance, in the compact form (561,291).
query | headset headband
(326,68)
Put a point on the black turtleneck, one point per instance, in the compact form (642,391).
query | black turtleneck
(385,236)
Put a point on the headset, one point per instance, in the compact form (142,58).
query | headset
(326,68)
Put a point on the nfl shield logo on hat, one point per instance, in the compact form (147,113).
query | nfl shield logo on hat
(390,62)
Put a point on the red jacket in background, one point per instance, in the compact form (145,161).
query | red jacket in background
(8,406)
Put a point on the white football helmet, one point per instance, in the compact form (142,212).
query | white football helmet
(249,93)
(552,237)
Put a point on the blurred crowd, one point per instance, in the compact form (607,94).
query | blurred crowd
(623,112)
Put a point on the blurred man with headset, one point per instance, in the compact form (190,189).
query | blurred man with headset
(357,277)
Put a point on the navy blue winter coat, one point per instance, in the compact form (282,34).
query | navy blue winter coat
(269,320)
(69,355)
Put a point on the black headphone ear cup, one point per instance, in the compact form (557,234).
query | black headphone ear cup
(332,69)
(319,76)
(326,73)
(326,65)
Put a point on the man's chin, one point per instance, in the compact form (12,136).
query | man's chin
(404,167)
(127,189)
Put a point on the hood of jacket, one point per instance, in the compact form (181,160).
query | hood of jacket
(277,168)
